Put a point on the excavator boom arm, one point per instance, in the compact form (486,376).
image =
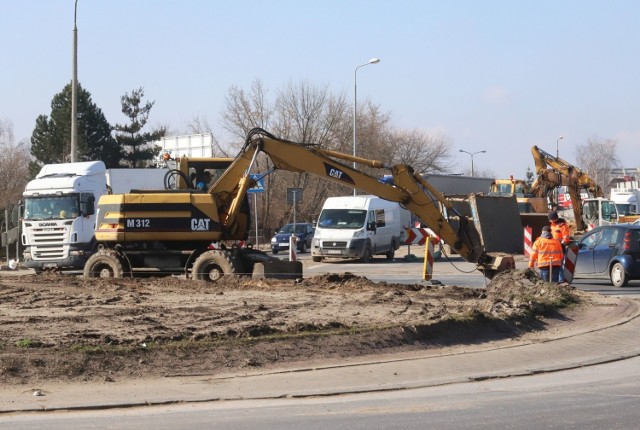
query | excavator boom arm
(408,188)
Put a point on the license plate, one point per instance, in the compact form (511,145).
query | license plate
(334,251)
(50,265)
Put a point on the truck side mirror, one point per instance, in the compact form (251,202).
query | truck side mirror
(90,209)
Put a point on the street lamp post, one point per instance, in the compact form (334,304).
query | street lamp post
(557,147)
(355,103)
(472,154)
(74,90)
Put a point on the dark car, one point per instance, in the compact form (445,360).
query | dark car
(611,252)
(280,241)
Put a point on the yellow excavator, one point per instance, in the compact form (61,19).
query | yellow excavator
(554,172)
(172,231)
(527,203)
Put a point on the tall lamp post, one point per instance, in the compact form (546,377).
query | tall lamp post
(74,90)
(558,147)
(355,103)
(555,191)
(472,154)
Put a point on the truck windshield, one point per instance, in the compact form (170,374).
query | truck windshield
(51,207)
(609,212)
(342,218)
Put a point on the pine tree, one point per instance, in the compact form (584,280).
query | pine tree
(51,137)
(136,147)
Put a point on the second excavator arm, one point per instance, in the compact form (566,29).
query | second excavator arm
(553,172)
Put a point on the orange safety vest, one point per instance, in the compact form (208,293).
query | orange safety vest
(560,232)
(547,252)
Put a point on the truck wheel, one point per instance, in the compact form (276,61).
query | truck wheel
(303,247)
(274,251)
(366,255)
(212,265)
(316,259)
(104,264)
(618,276)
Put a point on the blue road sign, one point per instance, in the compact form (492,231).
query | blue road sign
(259,187)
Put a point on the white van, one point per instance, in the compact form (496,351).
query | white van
(359,227)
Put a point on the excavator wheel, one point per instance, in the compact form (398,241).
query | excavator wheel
(212,265)
(104,264)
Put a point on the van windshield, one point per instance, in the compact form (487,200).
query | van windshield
(342,218)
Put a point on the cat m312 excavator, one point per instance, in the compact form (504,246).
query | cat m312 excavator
(171,231)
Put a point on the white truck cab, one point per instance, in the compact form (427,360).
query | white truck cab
(59,210)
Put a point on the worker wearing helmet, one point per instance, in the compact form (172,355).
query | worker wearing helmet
(547,255)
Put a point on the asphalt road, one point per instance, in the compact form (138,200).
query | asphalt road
(596,397)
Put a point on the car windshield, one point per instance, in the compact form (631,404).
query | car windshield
(290,228)
(342,218)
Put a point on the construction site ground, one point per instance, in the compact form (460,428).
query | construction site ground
(65,328)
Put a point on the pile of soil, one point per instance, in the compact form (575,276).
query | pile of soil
(57,327)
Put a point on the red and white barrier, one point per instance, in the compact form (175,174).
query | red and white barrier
(569,264)
(528,242)
(293,240)
(417,236)
(427,268)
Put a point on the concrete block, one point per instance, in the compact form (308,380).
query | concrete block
(278,269)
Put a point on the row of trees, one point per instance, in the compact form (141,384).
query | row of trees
(122,145)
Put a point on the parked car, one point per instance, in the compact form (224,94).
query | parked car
(304,232)
(611,252)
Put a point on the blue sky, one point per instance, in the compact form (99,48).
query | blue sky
(499,76)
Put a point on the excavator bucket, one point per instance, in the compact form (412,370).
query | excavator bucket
(497,264)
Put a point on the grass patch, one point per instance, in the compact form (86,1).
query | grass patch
(24,343)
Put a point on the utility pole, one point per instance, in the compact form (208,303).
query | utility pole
(74,90)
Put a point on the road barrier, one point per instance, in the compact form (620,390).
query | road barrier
(427,268)
(292,248)
(569,264)
(528,235)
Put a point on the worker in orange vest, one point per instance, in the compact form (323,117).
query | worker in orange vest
(547,255)
(559,228)
(560,231)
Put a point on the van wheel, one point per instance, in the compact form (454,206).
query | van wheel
(104,264)
(316,259)
(618,276)
(274,252)
(211,266)
(391,252)
(366,255)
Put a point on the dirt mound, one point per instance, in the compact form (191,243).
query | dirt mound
(64,327)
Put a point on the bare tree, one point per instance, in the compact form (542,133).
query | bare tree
(200,125)
(14,174)
(425,153)
(598,157)
(244,111)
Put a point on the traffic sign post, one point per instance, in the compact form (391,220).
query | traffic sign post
(258,188)
(294,196)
